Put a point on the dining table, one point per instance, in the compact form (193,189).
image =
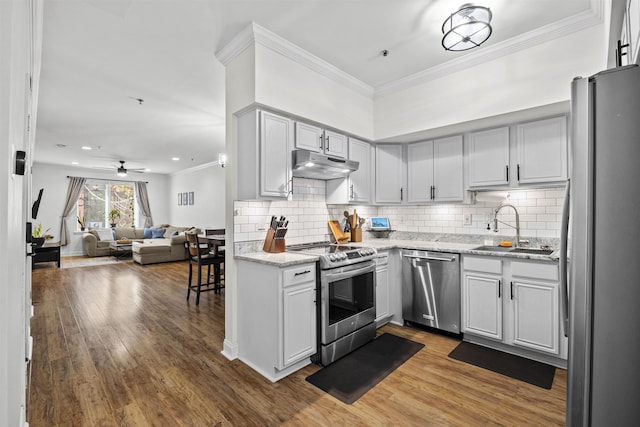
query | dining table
(215,241)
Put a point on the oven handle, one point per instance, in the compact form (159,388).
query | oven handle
(431,258)
(350,271)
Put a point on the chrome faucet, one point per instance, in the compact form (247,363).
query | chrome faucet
(517,227)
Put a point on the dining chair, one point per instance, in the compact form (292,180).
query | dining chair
(219,271)
(199,259)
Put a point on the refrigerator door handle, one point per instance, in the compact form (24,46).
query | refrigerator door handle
(564,241)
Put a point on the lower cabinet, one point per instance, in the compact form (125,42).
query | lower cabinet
(513,302)
(276,317)
(383,312)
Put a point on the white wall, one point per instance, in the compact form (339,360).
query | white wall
(207,184)
(53,178)
(288,86)
(533,77)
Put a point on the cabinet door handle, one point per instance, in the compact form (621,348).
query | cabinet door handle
(321,142)
(328,149)
(351,192)
(518,172)
(507,166)
(400,193)
(511,290)
(433,192)
(499,288)
(302,272)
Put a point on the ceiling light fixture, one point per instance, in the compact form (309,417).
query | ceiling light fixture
(122,171)
(466,28)
(86,147)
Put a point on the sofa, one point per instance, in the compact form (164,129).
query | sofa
(161,243)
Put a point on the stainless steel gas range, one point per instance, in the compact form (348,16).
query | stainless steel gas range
(345,298)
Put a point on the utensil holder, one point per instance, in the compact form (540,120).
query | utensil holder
(356,235)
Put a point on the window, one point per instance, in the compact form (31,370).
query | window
(99,198)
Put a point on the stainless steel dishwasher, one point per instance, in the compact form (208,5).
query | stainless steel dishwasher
(431,289)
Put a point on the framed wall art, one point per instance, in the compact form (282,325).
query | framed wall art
(191,197)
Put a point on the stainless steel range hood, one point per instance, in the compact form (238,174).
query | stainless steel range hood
(307,164)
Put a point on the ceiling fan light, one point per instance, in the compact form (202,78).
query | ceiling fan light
(466,28)
(122,172)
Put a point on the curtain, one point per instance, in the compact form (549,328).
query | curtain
(75,187)
(143,201)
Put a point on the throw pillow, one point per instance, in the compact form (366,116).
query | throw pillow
(105,235)
(147,233)
(157,233)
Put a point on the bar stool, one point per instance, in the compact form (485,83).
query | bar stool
(199,259)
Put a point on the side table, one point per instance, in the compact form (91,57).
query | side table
(49,252)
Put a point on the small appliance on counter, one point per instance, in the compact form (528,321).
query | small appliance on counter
(380,226)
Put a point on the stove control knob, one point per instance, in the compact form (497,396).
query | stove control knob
(332,257)
(343,256)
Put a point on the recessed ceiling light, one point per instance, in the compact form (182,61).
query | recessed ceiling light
(147,170)
(86,147)
(75,163)
(175,159)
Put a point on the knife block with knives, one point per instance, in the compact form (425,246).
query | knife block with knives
(275,242)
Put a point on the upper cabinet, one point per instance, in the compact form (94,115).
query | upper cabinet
(315,139)
(489,157)
(630,33)
(390,174)
(265,141)
(435,171)
(536,155)
(542,151)
(356,188)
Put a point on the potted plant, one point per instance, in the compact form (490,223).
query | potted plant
(113,215)
(38,235)
(81,222)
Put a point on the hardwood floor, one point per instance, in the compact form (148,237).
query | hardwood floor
(119,345)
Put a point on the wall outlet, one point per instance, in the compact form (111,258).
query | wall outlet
(466,219)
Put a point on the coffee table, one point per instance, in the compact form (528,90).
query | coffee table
(120,250)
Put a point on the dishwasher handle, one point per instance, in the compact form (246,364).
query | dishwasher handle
(430,258)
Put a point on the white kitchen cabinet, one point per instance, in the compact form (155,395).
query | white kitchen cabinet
(276,317)
(435,170)
(383,313)
(356,188)
(482,297)
(512,302)
(265,141)
(534,291)
(316,139)
(536,155)
(489,157)
(390,174)
(542,151)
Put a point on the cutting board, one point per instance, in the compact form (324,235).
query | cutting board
(336,230)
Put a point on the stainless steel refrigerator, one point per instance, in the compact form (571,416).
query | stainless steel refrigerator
(601,244)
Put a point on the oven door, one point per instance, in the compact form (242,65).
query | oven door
(347,299)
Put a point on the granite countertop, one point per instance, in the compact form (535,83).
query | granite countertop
(285,259)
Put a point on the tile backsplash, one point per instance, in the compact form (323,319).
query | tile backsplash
(308,213)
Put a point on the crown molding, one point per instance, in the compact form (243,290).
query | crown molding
(540,35)
(254,33)
(195,168)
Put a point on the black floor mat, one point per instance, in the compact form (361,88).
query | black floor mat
(529,371)
(356,373)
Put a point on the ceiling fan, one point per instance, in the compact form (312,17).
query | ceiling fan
(122,171)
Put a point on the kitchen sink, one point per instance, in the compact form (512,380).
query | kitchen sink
(533,251)
(494,248)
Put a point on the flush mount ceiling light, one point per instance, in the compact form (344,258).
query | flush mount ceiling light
(466,28)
